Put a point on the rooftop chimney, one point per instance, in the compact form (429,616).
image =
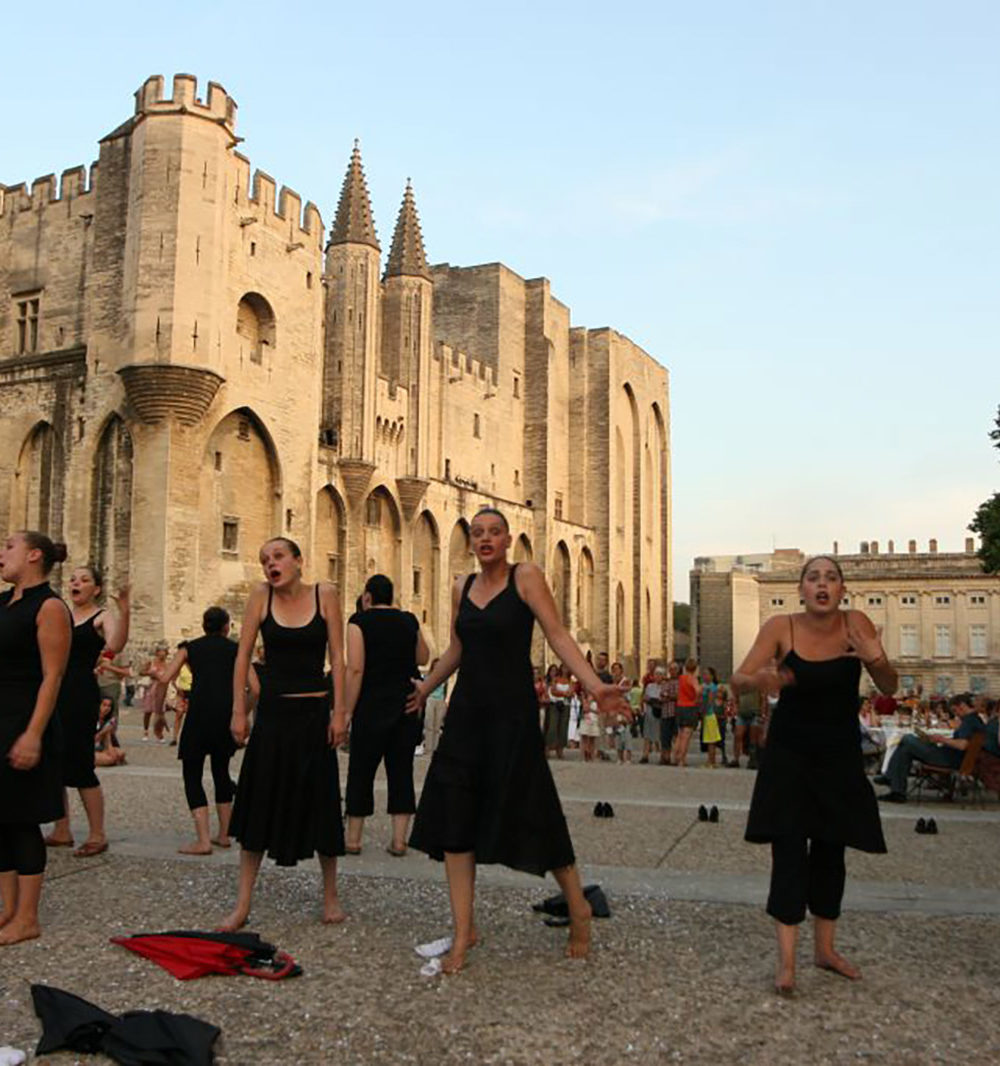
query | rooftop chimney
(863,547)
(970,545)
(892,547)
(874,547)
(836,548)
(912,547)
(932,546)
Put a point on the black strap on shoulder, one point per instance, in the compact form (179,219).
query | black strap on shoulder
(791,633)
(468,583)
(270,594)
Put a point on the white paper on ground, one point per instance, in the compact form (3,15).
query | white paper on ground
(431,969)
(433,948)
(10,1056)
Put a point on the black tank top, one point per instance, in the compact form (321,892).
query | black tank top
(86,646)
(294,655)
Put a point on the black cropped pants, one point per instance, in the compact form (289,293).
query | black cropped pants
(805,874)
(372,742)
(194,791)
(22,849)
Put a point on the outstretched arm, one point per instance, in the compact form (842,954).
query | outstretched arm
(534,590)
(173,668)
(114,626)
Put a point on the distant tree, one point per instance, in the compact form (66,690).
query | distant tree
(987,519)
(682,617)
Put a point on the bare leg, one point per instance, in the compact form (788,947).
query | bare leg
(202,846)
(333,913)
(8,896)
(461,870)
(827,957)
(93,804)
(224,812)
(24,923)
(249,868)
(61,832)
(788,938)
(146,715)
(355,828)
(400,831)
(578,946)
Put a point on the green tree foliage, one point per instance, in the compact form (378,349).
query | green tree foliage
(987,519)
(682,617)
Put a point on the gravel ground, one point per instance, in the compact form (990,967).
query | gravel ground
(668,980)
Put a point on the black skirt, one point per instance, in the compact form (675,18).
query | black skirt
(77,709)
(288,796)
(29,796)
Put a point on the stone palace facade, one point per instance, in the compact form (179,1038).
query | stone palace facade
(190,364)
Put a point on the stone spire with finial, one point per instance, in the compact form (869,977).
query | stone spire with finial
(353,224)
(407,256)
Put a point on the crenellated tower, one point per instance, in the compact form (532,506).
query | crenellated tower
(352,305)
(406,329)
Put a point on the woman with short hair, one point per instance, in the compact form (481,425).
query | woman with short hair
(384,648)
(688,694)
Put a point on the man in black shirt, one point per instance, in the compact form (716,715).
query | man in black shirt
(946,751)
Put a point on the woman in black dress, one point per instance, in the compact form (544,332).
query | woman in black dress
(34,648)
(811,798)
(384,646)
(94,629)
(288,795)
(489,796)
(211,660)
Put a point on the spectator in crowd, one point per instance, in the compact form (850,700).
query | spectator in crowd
(434,709)
(668,716)
(107,750)
(652,711)
(943,751)
(688,696)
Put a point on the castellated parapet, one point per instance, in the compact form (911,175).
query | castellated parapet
(188,367)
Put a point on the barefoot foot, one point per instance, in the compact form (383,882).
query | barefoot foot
(234,921)
(5,918)
(15,931)
(195,849)
(784,980)
(836,963)
(222,842)
(333,913)
(578,945)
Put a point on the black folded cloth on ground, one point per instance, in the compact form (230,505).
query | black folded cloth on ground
(557,907)
(136,1038)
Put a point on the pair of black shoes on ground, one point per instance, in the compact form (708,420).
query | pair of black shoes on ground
(557,909)
(929,826)
(706,815)
(603,810)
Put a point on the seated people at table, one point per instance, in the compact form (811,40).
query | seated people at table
(943,751)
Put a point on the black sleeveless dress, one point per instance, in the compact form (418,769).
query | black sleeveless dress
(489,788)
(36,795)
(811,781)
(288,796)
(79,705)
(212,659)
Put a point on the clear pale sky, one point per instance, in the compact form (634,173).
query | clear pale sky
(792,205)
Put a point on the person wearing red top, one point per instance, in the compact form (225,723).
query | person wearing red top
(688,695)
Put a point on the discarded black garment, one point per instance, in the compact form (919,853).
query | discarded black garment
(557,907)
(69,1021)
(137,1038)
(152,1038)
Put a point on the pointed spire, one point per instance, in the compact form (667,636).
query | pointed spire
(406,256)
(353,224)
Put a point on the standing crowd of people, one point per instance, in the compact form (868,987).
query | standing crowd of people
(669,706)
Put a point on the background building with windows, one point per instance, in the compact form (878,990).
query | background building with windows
(938,612)
(190,364)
